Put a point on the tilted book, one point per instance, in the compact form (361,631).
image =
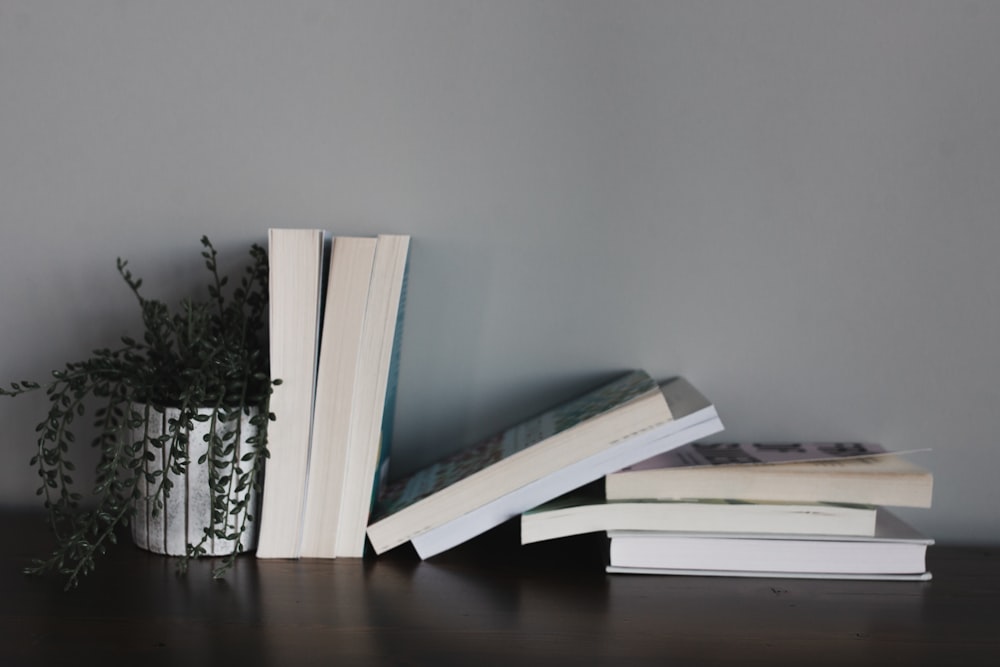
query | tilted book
(369,438)
(348,279)
(573,444)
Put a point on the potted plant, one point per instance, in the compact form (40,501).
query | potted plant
(192,395)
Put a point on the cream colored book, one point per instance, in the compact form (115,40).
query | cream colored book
(369,439)
(348,281)
(577,514)
(890,480)
(295,259)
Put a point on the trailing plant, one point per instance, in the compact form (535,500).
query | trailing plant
(210,353)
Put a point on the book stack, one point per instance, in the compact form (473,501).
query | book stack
(668,503)
(817,510)
(336,312)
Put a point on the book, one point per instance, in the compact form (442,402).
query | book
(373,409)
(693,417)
(885,479)
(347,291)
(566,447)
(897,550)
(732,453)
(295,275)
(576,514)
(764,574)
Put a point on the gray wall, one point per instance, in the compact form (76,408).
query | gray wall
(795,204)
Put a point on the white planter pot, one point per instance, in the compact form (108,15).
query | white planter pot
(187,509)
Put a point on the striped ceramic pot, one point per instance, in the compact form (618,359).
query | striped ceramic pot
(166,523)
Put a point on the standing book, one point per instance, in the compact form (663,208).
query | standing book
(348,279)
(618,424)
(369,439)
(295,260)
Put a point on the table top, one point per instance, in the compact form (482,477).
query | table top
(488,602)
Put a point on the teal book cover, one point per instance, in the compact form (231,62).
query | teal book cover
(428,481)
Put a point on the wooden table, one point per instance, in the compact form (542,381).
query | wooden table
(489,602)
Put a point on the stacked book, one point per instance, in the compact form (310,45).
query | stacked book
(816,510)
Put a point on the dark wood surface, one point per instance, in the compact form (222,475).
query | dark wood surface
(490,602)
